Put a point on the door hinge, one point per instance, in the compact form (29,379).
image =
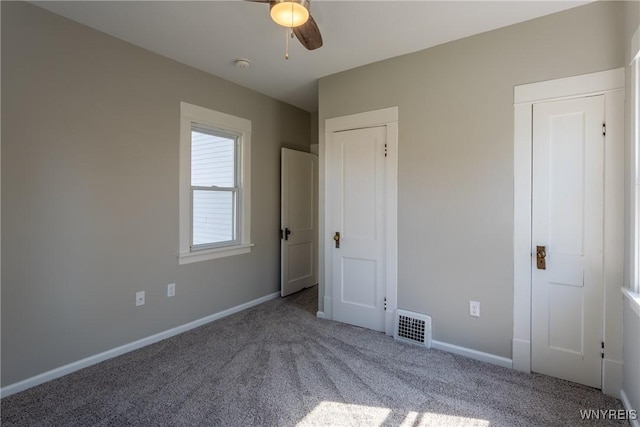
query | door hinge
(385,303)
(604,129)
(385,150)
(602,349)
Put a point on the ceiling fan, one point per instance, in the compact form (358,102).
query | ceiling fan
(294,14)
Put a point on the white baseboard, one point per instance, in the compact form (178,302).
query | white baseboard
(328,308)
(612,377)
(320,314)
(473,354)
(109,354)
(627,406)
(521,355)
(390,321)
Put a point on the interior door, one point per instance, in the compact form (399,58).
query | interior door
(358,198)
(299,183)
(567,239)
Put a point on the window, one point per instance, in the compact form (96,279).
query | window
(215,191)
(635,158)
(635,132)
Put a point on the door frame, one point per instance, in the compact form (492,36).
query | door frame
(387,117)
(610,84)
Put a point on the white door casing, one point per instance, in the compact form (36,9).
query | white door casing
(567,220)
(611,85)
(368,241)
(298,210)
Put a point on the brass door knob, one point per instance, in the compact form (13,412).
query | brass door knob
(541,257)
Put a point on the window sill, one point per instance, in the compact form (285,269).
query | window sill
(634,299)
(207,254)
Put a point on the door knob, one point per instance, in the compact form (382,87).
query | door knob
(541,257)
(285,234)
(336,238)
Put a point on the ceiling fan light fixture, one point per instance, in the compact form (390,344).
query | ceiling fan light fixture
(290,13)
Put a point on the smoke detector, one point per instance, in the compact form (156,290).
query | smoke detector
(242,63)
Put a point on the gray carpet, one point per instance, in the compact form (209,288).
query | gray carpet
(277,365)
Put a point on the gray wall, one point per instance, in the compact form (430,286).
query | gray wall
(631,321)
(455,179)
(90,192)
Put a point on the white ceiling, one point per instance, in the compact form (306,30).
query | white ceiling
(210,35)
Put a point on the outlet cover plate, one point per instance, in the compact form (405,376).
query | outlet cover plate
(474,308)
(171,289)
(139,298)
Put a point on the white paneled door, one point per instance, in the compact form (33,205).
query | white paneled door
(357,191)
(567,239)
(299,183)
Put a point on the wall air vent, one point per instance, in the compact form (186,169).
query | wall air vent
(413,328)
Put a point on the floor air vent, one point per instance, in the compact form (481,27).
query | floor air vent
(413,328)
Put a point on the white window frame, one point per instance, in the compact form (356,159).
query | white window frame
(634,273)
(632,289)
(191,115)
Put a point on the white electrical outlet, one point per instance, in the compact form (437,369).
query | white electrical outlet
(140,298)
(171,289)
(474,308)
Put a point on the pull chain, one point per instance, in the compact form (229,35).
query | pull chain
(286,44)
(288,33)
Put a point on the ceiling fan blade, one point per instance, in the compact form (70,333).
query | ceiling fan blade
(309,34)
